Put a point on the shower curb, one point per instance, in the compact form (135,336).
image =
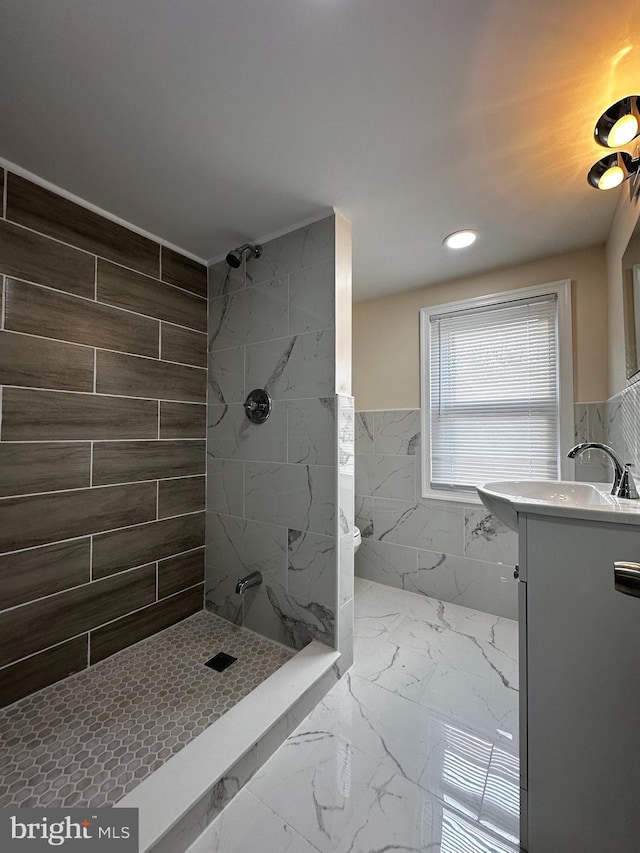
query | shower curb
(179,800)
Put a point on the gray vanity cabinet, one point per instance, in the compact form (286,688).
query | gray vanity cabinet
(580,687)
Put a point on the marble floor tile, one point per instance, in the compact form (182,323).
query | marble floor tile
(242,823)
(415,749)
(398,815)
(360,585)
(314,782)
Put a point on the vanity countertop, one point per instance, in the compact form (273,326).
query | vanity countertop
(591,501)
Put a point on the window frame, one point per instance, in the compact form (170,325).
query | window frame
(566,431)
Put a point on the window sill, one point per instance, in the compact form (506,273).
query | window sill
(452,497)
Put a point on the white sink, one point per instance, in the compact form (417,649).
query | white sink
(557,497)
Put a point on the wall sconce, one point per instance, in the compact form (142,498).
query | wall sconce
(617,126)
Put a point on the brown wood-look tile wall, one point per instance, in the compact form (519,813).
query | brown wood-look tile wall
(102,429)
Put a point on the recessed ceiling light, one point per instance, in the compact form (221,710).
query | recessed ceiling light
(460,239)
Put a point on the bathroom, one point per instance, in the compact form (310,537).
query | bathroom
(185,588)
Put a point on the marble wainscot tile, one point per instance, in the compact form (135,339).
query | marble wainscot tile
(597,422)
(225,484)
(386,476)
(224,279)
(364,516)
(615,435)
(302,497)
(253,314)
(425,524)
(489,587)
(397,432)
(311,431)
(242,822)
(235,548)
(580,422)
(294,367)
(364,432)
(226,376)
(311,570)
(311,298)
(487,538)
(231,435)
(275,613)
(631,423)
(383,562)
(305,247)
(314,782)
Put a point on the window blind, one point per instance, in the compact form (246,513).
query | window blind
(494,394)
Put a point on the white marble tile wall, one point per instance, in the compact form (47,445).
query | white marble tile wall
(452,551)
(591,425)
(622,414)
(271,499)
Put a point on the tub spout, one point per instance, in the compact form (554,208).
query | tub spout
(254,579)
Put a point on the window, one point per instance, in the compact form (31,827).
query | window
(497,395)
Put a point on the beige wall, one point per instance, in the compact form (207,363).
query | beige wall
(386,330)
(622,226)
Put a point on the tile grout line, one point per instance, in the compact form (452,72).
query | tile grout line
(95,486)
(152,358)
(103,394)
(151,440)
(101,625)
(107,532)
(97,301)
(114,574)
(104,258)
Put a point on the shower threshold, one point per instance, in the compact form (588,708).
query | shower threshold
(153,727)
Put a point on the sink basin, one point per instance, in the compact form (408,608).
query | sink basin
(554,497)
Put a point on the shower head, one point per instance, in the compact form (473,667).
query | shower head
(234,258)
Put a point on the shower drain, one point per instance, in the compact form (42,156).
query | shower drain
(220,661)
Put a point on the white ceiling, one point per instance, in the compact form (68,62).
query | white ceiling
(212,122)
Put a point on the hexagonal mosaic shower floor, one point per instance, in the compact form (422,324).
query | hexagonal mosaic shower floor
(91,738)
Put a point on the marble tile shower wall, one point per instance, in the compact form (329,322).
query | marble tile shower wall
(102,450)
(272,487)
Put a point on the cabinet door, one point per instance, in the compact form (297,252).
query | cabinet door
(583,689)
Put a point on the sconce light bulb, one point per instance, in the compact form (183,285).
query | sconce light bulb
(623,131)
(613,177)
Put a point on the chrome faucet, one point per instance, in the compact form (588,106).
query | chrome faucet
(623,485)
(254,579)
